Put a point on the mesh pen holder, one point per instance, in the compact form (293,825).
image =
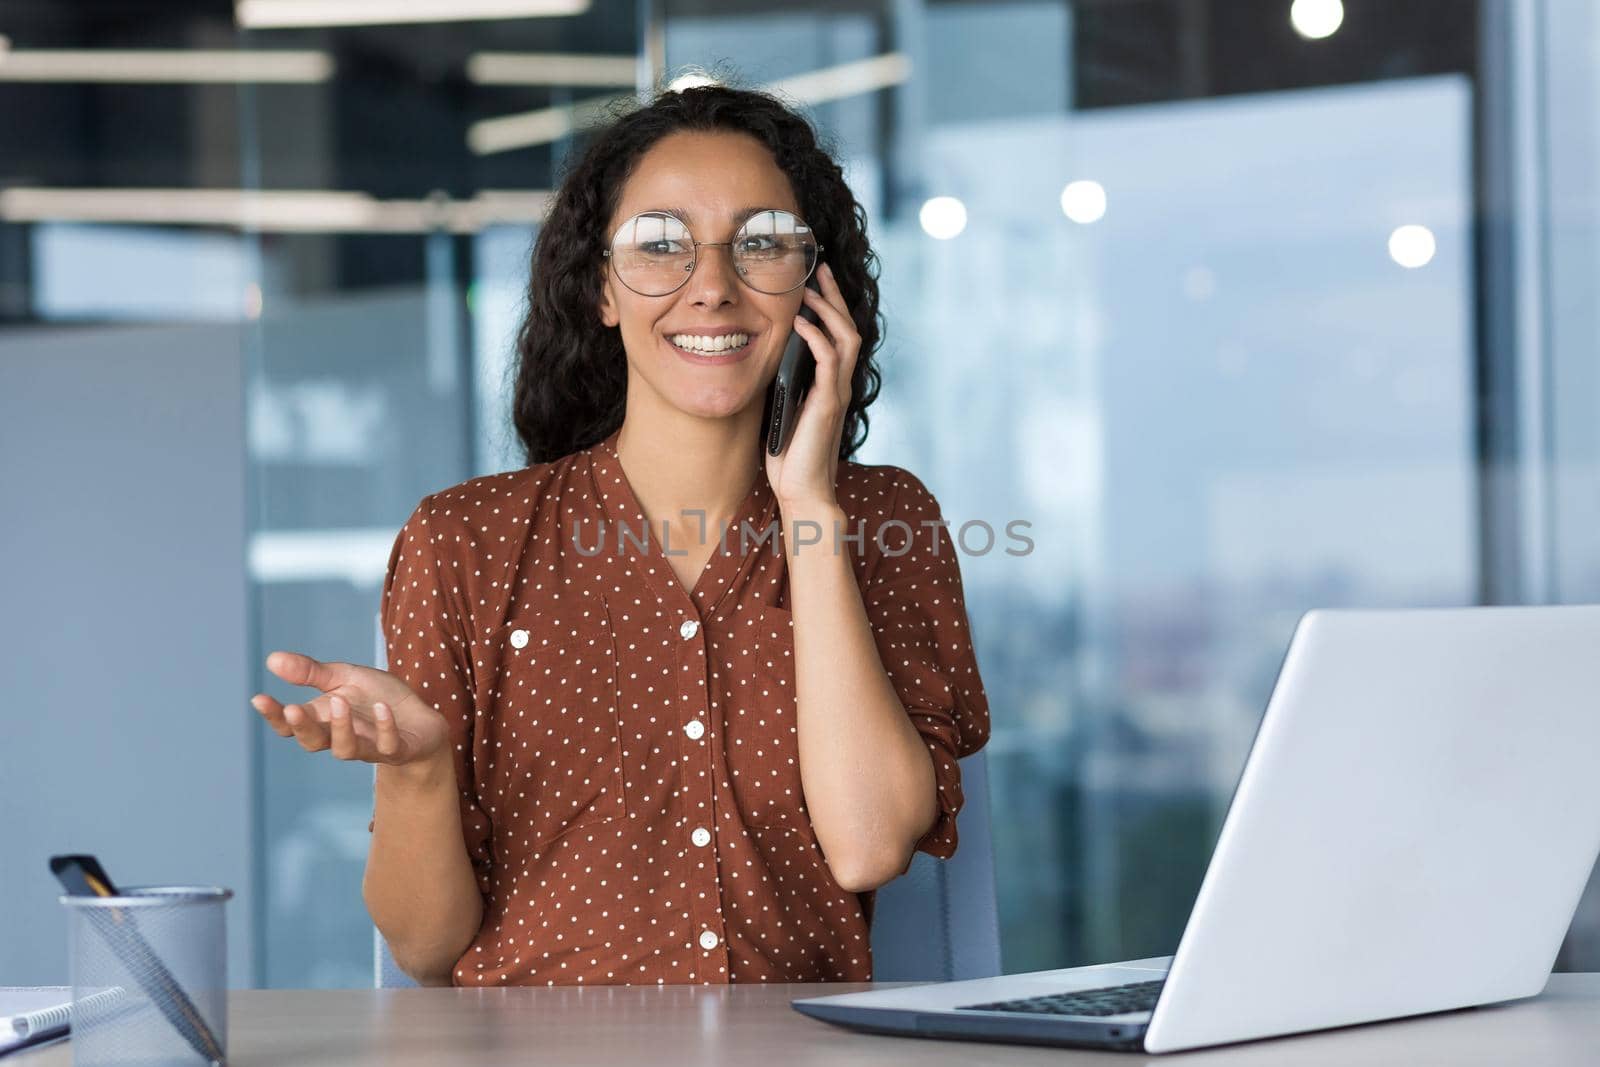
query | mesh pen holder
(149,972)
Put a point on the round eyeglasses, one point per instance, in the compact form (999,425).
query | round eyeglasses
(773,252)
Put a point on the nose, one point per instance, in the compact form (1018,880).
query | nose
(714,277)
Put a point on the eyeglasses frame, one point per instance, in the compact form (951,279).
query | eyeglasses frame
(695,263)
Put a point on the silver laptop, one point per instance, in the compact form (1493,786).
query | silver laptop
(1414,825)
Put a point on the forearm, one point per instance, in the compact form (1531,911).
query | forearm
(865,770)
(419,885)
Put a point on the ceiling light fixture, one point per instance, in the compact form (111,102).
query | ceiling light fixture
(164,66)
(283,14)
(552,68)
(273,211)
(845,79)
(529,128)
(1316,19)
(542,126)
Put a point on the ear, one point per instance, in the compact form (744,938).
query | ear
(610,313)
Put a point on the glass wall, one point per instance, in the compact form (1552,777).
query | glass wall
(1561,370)
(1194,297)
(1243,316)
(381,344)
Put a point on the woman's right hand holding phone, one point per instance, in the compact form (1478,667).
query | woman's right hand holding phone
(362,713)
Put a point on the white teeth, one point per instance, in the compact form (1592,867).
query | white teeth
(709,344)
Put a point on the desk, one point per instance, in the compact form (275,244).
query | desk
(753,1026)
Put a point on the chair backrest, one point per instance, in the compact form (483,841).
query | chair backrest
(386,974)
(940,921)
(937,922)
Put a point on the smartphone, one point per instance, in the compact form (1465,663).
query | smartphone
(795,372)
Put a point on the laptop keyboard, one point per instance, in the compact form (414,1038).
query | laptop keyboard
(1112,1000)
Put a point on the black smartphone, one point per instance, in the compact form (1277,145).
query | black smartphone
(795,372)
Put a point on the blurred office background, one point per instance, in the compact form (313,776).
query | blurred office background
(1247,306)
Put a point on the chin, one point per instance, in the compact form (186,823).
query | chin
(722,393)
(718,403)
(724,397)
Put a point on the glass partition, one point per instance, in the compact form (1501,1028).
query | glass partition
(397,205)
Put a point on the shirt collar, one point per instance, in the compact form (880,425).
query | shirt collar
(621,506)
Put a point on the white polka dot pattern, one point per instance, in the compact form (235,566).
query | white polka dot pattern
(552,749)
(626,747)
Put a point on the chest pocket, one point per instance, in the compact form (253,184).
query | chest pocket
(759,739)
(556,747)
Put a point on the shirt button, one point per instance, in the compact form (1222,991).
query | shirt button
(708,940)
(689,628)
(701,836)
(519,639)
(694,728)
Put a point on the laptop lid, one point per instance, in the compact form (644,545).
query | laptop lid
(1412,830)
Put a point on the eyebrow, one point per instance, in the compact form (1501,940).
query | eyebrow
(738,213)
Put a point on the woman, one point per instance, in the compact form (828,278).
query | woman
(622,737)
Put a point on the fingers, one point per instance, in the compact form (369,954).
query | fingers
(388,732)
(303,670)
(272,712)
(331,725)
(831,306)
(341,728)
(828,302)
(312,734)
(322,723)
(827,360)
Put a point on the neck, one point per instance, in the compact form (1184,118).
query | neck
(677,463)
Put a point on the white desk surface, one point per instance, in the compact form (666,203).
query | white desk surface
(753,1026)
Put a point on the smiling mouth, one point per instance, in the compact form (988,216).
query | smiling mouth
(703,354)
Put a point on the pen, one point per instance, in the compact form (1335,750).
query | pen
(82,875)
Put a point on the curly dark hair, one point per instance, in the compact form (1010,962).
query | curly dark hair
(571,377)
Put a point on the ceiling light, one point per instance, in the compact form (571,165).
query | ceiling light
(541,126)
(1316,19)
(942,217)
(845,79)
(281,14)
(150,65)
(552,68)
(1412,246)
(1084,201)
(529,128)
(690,80)
(273,211)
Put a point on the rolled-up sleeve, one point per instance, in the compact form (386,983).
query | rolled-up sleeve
(424,616)
(917,609)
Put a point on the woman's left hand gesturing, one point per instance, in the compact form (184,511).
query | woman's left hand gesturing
(804,474)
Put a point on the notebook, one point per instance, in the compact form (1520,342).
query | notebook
(32,1015)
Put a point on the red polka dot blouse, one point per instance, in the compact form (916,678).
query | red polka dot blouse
(626,748)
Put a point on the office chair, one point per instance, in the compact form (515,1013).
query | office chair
(937,922)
